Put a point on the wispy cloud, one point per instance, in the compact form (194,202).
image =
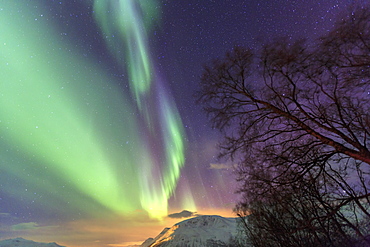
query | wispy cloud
(221,166)
(31,226)
(25,226)
(183,214)
(5,215)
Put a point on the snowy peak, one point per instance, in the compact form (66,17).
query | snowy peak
(207,230)
(147,242)
(208,221)
(21,242)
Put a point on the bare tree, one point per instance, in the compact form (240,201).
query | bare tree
(297,114)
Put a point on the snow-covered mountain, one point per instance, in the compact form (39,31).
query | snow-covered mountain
(201,231)
(21,242)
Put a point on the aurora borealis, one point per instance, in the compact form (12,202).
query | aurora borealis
(125,29)
(100,136)
(65,122)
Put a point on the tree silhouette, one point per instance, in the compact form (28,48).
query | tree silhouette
(297,118)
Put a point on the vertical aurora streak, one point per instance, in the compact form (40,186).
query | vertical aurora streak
(125,24)
(125,32)
(67,135)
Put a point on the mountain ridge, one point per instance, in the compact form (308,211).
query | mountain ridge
(200,231)
(21,242)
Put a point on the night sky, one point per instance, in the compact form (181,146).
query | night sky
(100,136)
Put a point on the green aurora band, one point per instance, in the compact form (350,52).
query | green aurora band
(125,24)
(67,130)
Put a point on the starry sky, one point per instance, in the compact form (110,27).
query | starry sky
(100,135)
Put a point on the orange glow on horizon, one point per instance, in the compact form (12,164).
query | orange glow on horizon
(115,232)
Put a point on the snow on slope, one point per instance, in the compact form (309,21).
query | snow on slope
(21,242)
(207,230)
(150,241)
